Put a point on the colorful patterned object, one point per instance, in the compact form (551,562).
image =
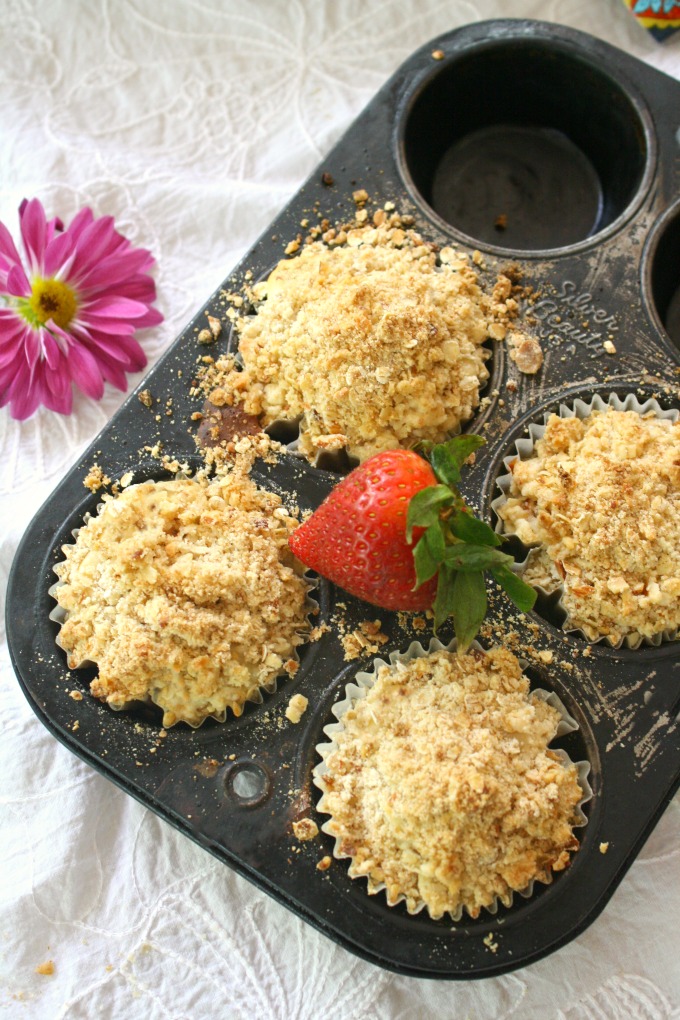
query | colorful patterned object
(660,17)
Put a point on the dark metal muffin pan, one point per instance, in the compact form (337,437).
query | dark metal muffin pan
(541,147)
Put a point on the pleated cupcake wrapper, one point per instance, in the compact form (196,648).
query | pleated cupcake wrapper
(524,450)
(358,689)
(59,615)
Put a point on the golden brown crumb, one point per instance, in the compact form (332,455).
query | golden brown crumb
(324,864)
(609,347)
(95,478)
(145,398)
(296,708)
(441,787)
(305,829)
(437,54)
(372,343)
(46,968)
(604,847)
(184,592)
(205,336)
(76,695)
(599,498)
(365,640)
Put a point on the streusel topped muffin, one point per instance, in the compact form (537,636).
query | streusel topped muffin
(441,787)
(184,592)
(600,497)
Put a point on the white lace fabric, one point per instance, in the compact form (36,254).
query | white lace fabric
(192,123)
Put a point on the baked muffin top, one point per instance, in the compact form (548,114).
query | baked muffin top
(371,345)
(184,592)
(601,496)
(441,786)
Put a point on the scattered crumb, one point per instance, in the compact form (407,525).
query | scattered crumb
(305,829)
(490,944)
(366,639)
(501,221)
(609,347)
(145,398)
(604,847)
(205,337)
(46,968)
(297,706)
(526,352)
(95,478)
(76,695)
(324,864)
(317,632)
(437,54)
(214,325)
(545,656)
(360,197)
(327,180)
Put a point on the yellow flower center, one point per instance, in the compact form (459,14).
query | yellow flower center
(52,299)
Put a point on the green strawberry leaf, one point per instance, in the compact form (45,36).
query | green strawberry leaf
(470,529)
(444,602)
(428,553)
(465,556)
(521,593)
(424,507)
(469,597)
(448,458)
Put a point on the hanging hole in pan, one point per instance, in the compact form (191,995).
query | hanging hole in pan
(247,783)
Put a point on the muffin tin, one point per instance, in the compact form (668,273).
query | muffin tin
(539,147)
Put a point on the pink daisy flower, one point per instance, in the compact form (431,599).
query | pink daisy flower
(71,311)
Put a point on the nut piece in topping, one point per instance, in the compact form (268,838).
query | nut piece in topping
(526,352)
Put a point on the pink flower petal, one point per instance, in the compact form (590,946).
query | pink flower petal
(17,282)
(112,271)
(86,371)
(57,253)
(114,308)
(33,231)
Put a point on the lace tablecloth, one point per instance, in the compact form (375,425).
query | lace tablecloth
(192,123)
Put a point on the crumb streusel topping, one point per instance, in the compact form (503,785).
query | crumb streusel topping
(185,592)
(602,498)
(373,345)
(442,787)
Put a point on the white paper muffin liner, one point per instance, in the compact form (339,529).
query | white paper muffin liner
(360,686)
(524,450)
(59,615)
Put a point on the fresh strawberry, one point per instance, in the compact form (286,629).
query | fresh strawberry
(357,537)
(398,533)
